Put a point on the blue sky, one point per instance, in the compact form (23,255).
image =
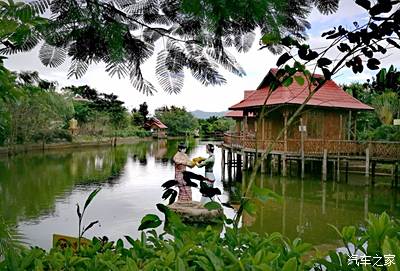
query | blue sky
(195,96)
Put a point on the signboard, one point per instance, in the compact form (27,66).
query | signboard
(302,128)
(396,122)
(63,241)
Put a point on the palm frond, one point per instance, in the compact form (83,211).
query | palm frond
(118,68)
(78,68)
(227,60)
(169,70)
(27,44)
(244,42)
(10,238)
(327,6)
(40,6)
(140,7)
(52,56)
(138,81)
(204,71)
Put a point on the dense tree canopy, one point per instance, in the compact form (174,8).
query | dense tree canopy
(178,120)
(187,34)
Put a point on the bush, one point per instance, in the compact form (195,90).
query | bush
(384,133)
(207,250)
(53,136)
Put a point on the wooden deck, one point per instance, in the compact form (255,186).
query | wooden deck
(377,150)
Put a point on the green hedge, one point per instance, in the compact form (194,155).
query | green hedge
(207,249)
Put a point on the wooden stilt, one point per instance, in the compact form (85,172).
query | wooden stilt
(347,172)
(284,165)
(223,164)
(279,164)
(373,166)
(230,165)
(263,167)
(396,174)
(239,161)
(367,162)
(333,170)
(269,163)
(325,165)
(245,161)
(338,170)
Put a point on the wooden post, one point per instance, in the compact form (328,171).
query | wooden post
(245,123)
(373,166)
(302,148)
(239,161)
(285,116)
(263,168)
(367,162)
(349,127)
(334,170)
(338,170)
(279,164)
(396,174)
(223,164)
(284,165)
(325,165)
(230,165)
(269,162)
(245,161)
(347,172)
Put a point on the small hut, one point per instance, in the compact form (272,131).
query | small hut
(158,129)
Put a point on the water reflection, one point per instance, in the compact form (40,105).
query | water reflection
(38,192)
(309,206)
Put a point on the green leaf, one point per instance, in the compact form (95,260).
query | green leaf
(299,80)
(131,265)
(249,207)
(271,38)
(90,198)
(212,205)
(264,194)
(290,265)
(149,221)
(287,82)
(179,264)
(130,240)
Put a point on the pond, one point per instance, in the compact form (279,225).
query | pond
(39,192)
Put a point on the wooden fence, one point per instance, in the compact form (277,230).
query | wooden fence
(377,149)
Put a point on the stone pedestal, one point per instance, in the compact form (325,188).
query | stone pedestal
(194,212)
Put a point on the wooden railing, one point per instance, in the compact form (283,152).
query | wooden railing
(377,149)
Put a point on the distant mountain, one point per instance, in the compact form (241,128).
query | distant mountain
(205,115)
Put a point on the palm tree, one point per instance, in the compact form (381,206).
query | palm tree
(387,106)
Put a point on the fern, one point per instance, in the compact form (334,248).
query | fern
(52,56)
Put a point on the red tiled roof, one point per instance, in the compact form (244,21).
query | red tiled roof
(329,95)
(236,114)
(156,122)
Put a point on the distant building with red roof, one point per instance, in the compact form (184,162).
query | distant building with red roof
(329,114)
(157,128)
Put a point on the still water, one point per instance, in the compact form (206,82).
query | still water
(39,192)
